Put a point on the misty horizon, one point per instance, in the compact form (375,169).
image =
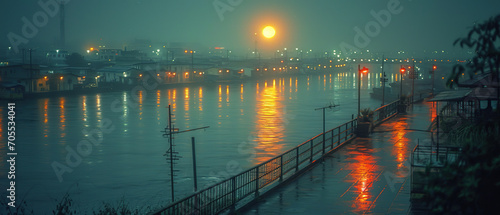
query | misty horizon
(422,27)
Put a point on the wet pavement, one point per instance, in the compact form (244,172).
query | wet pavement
(366,176)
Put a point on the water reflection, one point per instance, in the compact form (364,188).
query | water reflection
(140,103)
(200,99)
(158,107)
(364,172)
(220,96)
(400,142)
(227,95)
(241,92)
(269,122)
(62,116)
(186,103)
(99,111)
(125,112)
(45,114)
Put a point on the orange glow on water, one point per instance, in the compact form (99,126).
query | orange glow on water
(186,99)
(269,122)
(62,116)
(158,97)
(220,96)
(241,92)
(364,172)
(200,99)
(227,93)
(400,141)
(186,93)
(174,98)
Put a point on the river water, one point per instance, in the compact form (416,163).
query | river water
(108,146)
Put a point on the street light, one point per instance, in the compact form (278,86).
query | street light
(364,71)
(434,67)
(402,70)
(192,58)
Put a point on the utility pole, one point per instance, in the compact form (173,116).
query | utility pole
(31,72)
(323,108)
(62,29)
(172,156)
(383,79)
(432,72)
(413,77)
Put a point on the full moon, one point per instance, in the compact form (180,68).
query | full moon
(268,32)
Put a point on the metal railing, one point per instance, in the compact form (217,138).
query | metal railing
(427,160)
(431,155)
(244,187)
(385,112)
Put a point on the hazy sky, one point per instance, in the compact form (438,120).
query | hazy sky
(416,25)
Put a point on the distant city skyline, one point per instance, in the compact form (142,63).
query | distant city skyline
(382,26)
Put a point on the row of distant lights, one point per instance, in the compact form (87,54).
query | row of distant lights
(279,68)
(172,73)
(61,77)
(324,66)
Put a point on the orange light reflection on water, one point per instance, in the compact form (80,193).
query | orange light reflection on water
(158,98)
(269,122)
(200,99)
(140,104)
(400,141)
(186,100)
(364,173)
(241,92)
(220,96)
(62,116)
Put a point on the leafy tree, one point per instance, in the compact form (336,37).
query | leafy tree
(75,60)
(470,184)
(484,40)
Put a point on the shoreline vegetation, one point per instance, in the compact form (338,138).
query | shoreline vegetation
(66,206)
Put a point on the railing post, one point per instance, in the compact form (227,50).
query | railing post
(346,130)
(256,181)
(312,149)
(233,206)
(324,139)
(338,134)
(281,167)
(297,160)
(332,137)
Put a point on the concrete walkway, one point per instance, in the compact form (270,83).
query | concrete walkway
(366,176)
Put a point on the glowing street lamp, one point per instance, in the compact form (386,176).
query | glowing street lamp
(402,70)
(192,57)
(434,67)
(364,71)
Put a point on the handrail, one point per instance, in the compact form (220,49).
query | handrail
(238,189)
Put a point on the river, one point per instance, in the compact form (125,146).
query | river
(109,146)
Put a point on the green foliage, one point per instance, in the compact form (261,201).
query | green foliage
(483,40)
(470,184)
(366,115)
(64,206)
(121,208)
(76,60)
(19,209)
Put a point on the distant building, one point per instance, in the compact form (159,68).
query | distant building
(57,57)
(117,75)
(25,75)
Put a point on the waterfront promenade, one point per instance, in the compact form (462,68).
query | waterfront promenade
(365,176)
